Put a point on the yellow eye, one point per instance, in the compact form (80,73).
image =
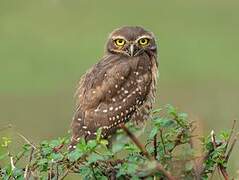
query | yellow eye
(144,41)
(119,42)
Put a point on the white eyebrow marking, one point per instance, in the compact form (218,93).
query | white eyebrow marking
(144,36)
(119,37)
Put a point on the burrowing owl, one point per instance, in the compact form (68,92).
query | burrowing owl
(120,87)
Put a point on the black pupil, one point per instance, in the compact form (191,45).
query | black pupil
(120,41)
(143,40)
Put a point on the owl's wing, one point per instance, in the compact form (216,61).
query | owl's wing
(94,89)
(100,81)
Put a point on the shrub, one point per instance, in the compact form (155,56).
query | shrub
(166,153)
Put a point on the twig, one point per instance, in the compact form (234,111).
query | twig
(224,172)
(231,132)
(67,170)
(57,171)
(231,148)
(28,142)
(161,137)
(27,172)
(213,139)
(65,174)
(159,167)
(136,141)
(155,147)
(177,141)
(51,174)
(12,163)
(19,157)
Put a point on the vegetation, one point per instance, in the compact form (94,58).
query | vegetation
(168,152)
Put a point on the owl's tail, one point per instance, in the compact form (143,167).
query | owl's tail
(77,130)
(73,144)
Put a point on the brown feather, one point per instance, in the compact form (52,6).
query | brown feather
(118,88)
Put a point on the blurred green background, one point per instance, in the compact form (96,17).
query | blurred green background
(45,46)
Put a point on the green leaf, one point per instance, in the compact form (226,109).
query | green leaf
(57,156)
(163,122)
(153,132)
(54,143)
(117,147)
(18,174)
(127,168)
(85,171)
(183,115)
(74,155)
(155,111)
(26,147)
(98,134)
(82,146)
(171,110)
(91,144)
(224,135)
(94,157)
(188,166)
(42,161)
(46,151)
(131,147)
(104,142)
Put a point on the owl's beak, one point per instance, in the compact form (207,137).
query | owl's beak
(131,50)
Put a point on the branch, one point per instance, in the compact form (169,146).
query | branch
(136,141)
(159,167)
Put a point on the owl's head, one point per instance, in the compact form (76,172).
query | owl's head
(131,41)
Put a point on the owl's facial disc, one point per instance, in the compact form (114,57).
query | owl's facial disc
(132,47)
(131,43)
